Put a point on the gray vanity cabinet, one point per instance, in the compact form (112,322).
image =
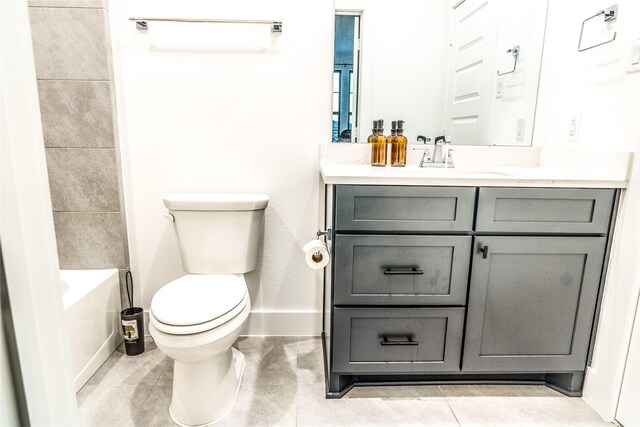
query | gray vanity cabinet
(439,284)
(531,303)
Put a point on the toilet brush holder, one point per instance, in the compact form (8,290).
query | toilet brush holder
(133,330)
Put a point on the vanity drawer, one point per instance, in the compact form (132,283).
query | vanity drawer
(544,210)
(397,340)
(403,208)
(401,270)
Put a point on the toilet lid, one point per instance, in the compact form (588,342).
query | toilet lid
(198,298)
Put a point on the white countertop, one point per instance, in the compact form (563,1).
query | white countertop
(473,176)
(482,166)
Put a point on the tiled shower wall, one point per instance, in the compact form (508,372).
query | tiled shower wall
(71,51)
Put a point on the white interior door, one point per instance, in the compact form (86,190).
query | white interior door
(471,71)
(629,404)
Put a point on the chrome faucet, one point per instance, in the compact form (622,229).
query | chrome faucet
(440,155)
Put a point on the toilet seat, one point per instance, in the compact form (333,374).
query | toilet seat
(197,303)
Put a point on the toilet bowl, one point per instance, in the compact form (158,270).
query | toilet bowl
(196,318)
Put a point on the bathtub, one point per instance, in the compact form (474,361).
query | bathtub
(92,312)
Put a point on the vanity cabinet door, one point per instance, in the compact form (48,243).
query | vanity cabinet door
(404,208)
(401,270)
(531,303)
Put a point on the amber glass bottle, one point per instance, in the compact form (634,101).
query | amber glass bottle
(372,139)
(399,147)
(379,146)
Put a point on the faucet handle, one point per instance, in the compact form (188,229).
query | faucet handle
(443,139)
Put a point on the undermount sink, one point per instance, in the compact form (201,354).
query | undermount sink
(468,171)
(482,172)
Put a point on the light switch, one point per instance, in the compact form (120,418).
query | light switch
(520,125)
(635,55)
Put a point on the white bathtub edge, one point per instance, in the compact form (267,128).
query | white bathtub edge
(94,364)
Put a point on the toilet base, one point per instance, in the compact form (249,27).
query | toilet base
(205,392)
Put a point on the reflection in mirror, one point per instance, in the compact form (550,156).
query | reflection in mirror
(464,68)
(345,72)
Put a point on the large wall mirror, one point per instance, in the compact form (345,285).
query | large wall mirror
(464,68)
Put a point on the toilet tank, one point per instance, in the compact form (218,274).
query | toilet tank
(218,233)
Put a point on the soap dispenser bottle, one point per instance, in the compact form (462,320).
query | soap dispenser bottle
(372,138)
(394,124)
(379,146)
(399,146)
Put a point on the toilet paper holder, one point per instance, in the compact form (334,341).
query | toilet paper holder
(326,233)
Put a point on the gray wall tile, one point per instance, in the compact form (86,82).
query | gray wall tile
(83,179)
(69,43)
(76,113)
(95,4)
(89,240)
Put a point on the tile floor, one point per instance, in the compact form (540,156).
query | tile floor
(283,384)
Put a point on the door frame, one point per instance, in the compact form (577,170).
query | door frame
(27,234)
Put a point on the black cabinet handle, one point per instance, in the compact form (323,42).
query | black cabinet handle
(403,270)
(395,341)
(485,251)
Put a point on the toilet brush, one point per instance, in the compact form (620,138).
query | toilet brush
(128,278)
(132,319)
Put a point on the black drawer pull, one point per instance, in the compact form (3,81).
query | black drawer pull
(403,270)
(407,340)
(485,251)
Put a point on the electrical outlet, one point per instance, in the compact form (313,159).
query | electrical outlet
(520,125)
(573,128)
(634,57)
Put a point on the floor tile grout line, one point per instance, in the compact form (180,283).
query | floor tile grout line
(151,389)
(449,406)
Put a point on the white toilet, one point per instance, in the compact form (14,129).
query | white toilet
(195,319)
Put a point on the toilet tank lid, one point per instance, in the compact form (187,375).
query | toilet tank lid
(216,202)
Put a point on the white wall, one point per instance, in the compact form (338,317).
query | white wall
(227,108)
(595,84)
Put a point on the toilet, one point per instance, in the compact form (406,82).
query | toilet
(196,318)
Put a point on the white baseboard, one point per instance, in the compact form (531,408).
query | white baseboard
(292,323)
(275,323)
